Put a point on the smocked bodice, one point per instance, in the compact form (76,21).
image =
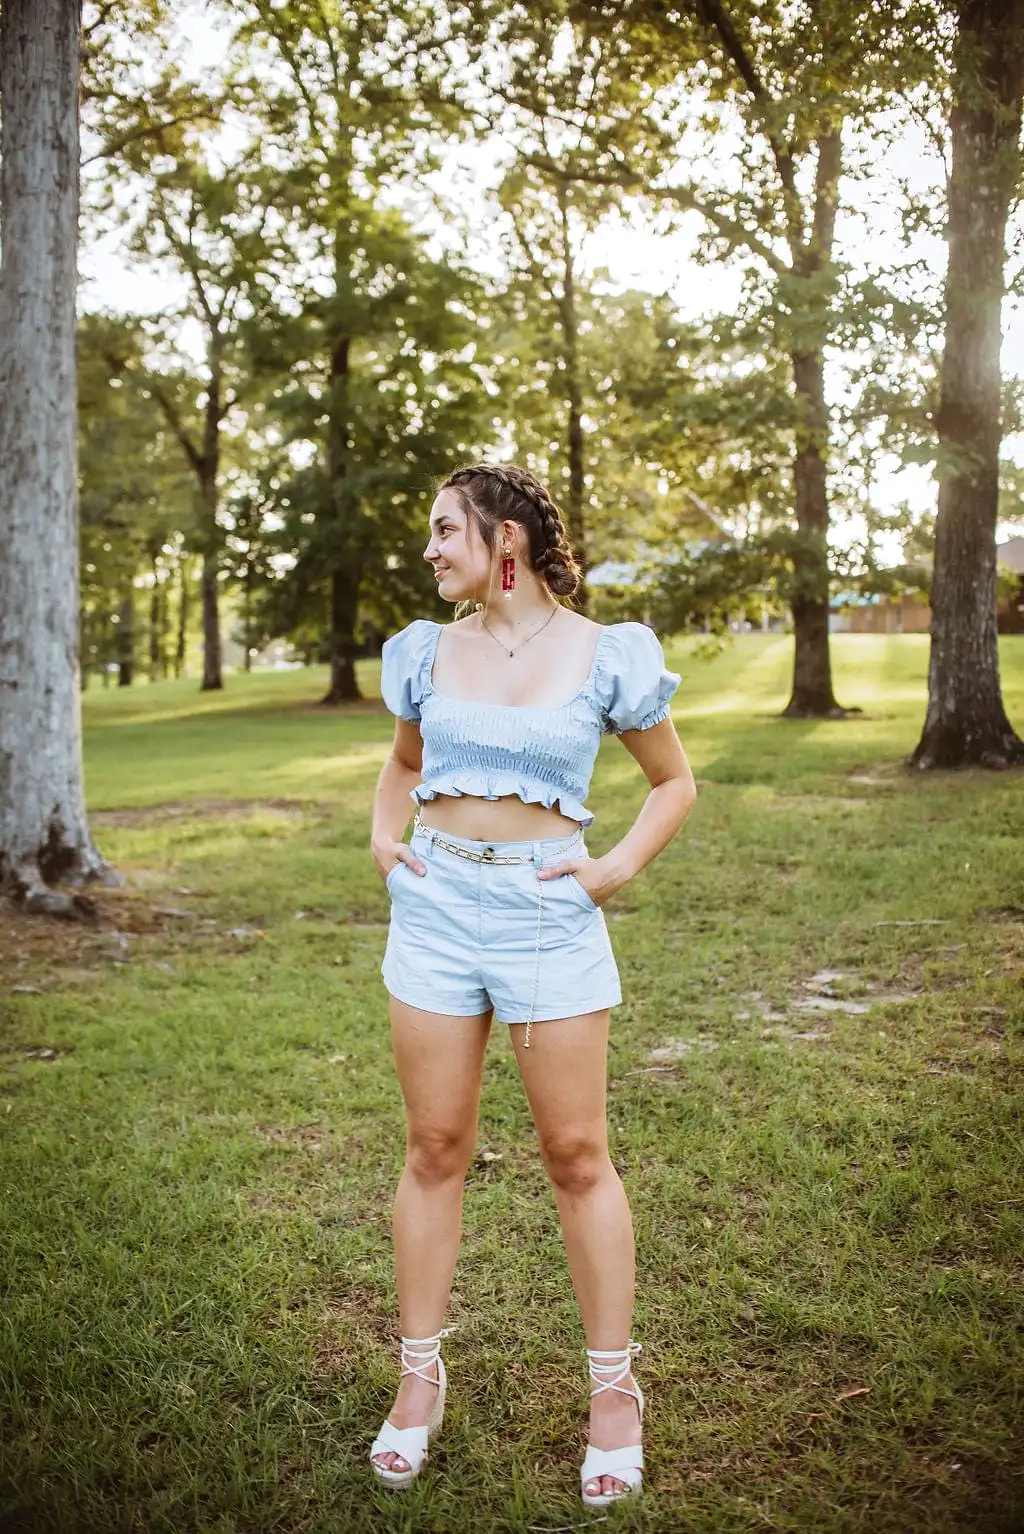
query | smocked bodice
(540,754)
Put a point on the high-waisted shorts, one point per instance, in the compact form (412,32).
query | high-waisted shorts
(470,936)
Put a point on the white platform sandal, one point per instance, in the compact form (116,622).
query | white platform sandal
(626,1464)
(419,1355)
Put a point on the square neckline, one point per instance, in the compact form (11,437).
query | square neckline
(520,708)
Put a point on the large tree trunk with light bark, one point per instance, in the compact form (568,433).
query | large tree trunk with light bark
(44,836)
(966,723)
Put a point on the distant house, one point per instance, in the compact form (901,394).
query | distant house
(852,613)
(1010,609)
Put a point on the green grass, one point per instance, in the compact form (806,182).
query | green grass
(197,1324)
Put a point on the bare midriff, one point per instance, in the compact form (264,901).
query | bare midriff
(507,819)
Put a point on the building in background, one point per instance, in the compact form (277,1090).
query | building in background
(851,612)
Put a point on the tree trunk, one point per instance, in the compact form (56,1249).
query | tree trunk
(209,471)
(212,677)
(44,835)
(345,576)
(165,628)
(812,696)
(344,605)
(966,724)
(247,617)
(155,625)
(574,399)
(180,645)
(126,641)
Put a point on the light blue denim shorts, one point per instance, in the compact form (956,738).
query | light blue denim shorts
(470,936)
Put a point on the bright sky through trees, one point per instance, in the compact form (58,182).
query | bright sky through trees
(634,249)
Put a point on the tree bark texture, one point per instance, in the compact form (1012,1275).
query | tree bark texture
(155,629)
(812,696)
(966,723)
(44,836)
(212,676)
(126,640)
(182,634)
(345,569)
(209,469)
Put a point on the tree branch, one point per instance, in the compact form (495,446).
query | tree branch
(332,52)
(174,421)
(714,14)
(826,182)
(154,130)
(684,197)
(536,270)
(272,21)
(730,228)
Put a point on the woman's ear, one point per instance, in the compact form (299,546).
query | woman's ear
(510,534)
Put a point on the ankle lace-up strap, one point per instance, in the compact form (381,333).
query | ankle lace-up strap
(616,1361)
(420,1354)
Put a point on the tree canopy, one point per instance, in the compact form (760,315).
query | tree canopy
(389,225)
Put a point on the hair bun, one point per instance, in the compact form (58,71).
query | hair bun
(561,573)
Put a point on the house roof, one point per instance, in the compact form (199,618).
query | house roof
(1011,554)
(612,572)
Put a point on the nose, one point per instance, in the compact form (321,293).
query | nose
(430,553)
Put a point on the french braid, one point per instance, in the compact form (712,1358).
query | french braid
(495,493)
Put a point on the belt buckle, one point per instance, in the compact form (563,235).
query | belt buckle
(487,856)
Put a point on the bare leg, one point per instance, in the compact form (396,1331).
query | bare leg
(440,1066)
(564,1072)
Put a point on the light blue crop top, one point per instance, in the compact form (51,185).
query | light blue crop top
(542,754)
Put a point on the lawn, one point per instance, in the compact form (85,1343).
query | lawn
(815,1105)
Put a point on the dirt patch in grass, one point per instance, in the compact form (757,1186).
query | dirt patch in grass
(307,1137)
(151,911)
(810,803)
(40,954)
(882,774)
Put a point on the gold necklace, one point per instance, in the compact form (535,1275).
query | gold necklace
(526,641)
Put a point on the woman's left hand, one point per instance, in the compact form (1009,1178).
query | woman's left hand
(596,877)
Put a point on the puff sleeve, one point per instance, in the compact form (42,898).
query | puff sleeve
(635,684)
(403,659)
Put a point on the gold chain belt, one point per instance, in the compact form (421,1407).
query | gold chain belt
(502,859)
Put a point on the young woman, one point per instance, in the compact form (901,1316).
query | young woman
(496,912)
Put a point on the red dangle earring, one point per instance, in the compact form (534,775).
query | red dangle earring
(508,573)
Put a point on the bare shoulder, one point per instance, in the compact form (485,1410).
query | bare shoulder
(576,623)
(467,627)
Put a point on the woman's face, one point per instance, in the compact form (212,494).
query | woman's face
(463,564)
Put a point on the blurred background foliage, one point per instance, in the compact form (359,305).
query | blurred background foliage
(378,237)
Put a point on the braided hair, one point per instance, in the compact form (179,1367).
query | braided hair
(496,493)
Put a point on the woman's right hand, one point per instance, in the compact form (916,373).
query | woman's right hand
(387,854)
